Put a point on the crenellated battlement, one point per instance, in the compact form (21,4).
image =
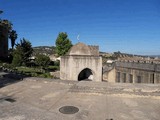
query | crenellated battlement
(94,49)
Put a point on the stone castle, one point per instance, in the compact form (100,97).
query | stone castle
(84,63)
(81,63)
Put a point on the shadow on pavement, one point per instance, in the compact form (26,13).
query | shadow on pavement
(7,78)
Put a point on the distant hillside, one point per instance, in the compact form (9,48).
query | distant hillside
(155,56)
(46,50)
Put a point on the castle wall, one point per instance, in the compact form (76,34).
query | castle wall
(71,66)
(110,76)
(135,73)
(138,76)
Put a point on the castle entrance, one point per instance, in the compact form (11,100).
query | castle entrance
(86,75)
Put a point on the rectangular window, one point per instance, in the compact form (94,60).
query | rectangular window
(139,79)
(124,77)
(118,77)
(151,78)
(130,78)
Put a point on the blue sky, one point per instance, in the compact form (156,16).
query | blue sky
(130,26)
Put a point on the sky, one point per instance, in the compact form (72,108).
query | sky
(128,26)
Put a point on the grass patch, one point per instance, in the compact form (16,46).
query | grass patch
(33,72)
(53,68)
(28,69)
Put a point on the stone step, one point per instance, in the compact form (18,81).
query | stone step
(109,90)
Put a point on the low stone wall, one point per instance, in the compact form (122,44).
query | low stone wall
(130,72)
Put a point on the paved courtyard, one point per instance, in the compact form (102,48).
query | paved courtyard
(41,99)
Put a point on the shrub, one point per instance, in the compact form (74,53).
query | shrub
(53,68)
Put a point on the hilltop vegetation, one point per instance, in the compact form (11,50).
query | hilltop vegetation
(45,50)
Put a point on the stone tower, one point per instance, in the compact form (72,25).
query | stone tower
(81,63)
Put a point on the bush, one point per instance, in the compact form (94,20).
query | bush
(42,60)
(17,60)
(53,68)
(46,75)
(34,74)
(8,66)
(56,63)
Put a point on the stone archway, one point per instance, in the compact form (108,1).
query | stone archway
(85,74)
(82,62)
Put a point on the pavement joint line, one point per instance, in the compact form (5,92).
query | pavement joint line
(36,106)
(64,94)
(84,89)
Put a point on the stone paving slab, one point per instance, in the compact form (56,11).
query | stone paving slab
(41,99)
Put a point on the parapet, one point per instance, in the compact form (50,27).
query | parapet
(94,50)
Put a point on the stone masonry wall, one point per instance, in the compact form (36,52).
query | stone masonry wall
(94,50)
(130,72)
(137,72)
(71,66)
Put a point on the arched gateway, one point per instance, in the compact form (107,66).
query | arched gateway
(85,74)
(81,63)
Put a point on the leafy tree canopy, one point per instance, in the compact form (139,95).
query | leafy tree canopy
(9,26)
(63,44)
(42,60)
(13,37)
(22,52)
(6,23)
(6,31)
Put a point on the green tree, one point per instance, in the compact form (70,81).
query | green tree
(42,60)
(22,52)
(17,56)
(63,44)
(7,24)
(11,33)
(13,37)
(17,60)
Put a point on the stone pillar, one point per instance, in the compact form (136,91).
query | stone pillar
(121,78)
(157,77)
(134,77)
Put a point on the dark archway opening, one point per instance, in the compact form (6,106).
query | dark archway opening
(85,74)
